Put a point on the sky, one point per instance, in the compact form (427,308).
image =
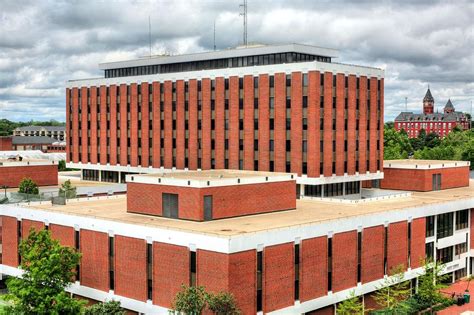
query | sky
(418,43)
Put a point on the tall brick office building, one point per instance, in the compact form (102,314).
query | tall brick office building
(286,108)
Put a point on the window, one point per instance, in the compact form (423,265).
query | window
(192,268)
(385,247)
(77,247)
(330,264)
(429,249)
(207,208)
(445,255)
(436,181)
(149,270)
(259,280)
(297,272)
(359,256)
(444,225)
(430,226)
(170,205)
(462,219)
(111,263)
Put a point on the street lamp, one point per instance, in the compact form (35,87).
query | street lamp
(5,188)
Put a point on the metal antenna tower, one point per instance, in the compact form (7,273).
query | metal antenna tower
(406,104)
(214,34)
(149,32)
(244,15)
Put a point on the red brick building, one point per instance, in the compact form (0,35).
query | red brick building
(285,108)
(303,260)
(42,172)
(439,123)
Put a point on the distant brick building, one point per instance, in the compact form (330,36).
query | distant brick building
(42,172)
(439,123)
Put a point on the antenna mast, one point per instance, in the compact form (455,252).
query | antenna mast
(244,15)
(406,104)
(214,34)
(149,32)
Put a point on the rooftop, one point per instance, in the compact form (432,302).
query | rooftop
(307,212)
(39,128)
(13,161)
(423,164)
(209,178)
(32,140)
(222,54)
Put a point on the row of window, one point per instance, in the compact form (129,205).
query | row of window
(445,223)
(235,62)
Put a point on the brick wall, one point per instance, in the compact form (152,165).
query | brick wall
(421,180)
(228,201)
(314,268)
(242,280)
(9,241)
(170,270)
(372,262)
(94,270)
(64,234)
(43,175)
(130,268)
(6,144)
(344,260)
(27,225)
(418,242)
(212,270)
(328,310)
(278,277)
(199,143)
(397,245)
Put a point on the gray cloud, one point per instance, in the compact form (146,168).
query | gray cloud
(45,43)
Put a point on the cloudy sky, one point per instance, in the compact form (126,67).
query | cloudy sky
(418,43)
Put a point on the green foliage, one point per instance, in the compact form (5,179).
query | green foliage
(28,186)
(190,300)
(67,190)
(7,126)
(393,293)
(396,145)
(353,305)
(193,300)
(430,283)
(62,166)
(107,308)
(47,271)
(222,303)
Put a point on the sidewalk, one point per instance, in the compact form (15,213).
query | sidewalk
(459,287)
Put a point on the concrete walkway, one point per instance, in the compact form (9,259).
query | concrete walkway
(458,288)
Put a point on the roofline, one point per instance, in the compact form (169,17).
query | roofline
(221,54)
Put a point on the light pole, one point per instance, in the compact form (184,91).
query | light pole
(5,188)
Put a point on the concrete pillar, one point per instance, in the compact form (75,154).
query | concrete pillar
(100,175)
(301,191)
(120,177)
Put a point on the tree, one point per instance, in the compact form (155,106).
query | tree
(62,166)
(190,300)
(468,153)
(430,284)
(48,269)
(222,303)
(393,293)
(353,305)
(107,308)
(67,190)
(396,145)
(28,186)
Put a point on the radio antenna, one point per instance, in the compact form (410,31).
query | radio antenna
(149,32)
(244,15)
(214,34)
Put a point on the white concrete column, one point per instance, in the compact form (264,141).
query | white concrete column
(301,191)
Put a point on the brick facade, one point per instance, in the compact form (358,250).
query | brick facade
(10,241)
(94,270)
(6,143)
(422,180)
(397,245)
(372,255)
(232,129)
(344,260)
(417,242)
(228,201)
(64,234)
(42,175)
(314,268)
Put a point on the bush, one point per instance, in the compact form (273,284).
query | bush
(28,186)
(67,190)
(107,308)
(222,303)
(62,166)
(190,300)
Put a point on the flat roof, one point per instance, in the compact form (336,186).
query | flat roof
(210,178)
(423,164)
(306,212)
(6,162)
(250,50)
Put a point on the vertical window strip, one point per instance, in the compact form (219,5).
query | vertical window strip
(297,272)
(111,263)
(259,281)
(329,264)
(149,270)
(192,268)
(78,249)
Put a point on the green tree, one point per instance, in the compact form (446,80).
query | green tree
(391,296)
(396,145)
(62,166)
(67,190)
(107,308)
(432,140)
(28,186)
(222,303)
(353,305)
(190,300)
(468,153)
(430,284)
(48,269)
